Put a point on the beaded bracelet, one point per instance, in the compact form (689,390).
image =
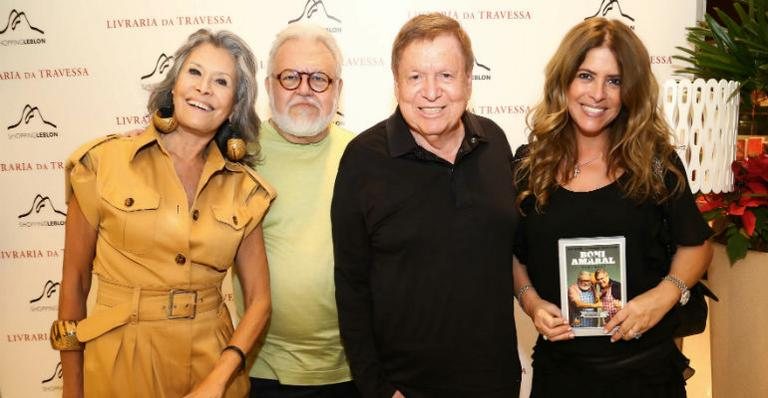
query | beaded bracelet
(522,291)
(239,352)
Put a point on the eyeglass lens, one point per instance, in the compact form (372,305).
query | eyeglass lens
(291,80)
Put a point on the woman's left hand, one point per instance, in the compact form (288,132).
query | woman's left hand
(642,312)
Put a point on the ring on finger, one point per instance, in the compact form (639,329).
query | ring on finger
(545,337)
(637,335)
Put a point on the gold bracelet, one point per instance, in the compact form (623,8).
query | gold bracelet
(63,336)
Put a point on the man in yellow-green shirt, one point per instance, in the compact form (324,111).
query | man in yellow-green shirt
(302,354)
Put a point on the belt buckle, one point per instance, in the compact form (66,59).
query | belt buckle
(171,297)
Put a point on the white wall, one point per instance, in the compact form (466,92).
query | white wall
(71,70)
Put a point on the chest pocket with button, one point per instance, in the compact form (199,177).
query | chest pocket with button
(130,218)
(228,233)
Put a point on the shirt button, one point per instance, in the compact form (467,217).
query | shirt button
(129,202)
(473,140)
(180,259)
(234,220)
(195,214)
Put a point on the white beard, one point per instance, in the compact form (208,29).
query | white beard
(302,127)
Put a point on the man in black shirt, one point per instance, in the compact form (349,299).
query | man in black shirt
(423,218)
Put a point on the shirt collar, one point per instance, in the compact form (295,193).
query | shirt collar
(214,161)
(400,141)
(144,139)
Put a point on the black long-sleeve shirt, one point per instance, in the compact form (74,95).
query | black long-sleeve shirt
(423,253)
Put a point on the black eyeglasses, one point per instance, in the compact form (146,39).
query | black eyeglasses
(291,80)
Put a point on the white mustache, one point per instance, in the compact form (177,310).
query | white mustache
(304,101)
(300,126)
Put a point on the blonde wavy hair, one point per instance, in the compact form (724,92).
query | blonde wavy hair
(638,137)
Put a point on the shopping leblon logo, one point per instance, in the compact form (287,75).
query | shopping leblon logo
(315,11)
(160,67)
(42,213)
(49,289)
(32,125)
(47,300)
(612,9)
(53,381)
(18,31)
(481,71)
(162,64)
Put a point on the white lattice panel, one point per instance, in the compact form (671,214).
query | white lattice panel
(704,116)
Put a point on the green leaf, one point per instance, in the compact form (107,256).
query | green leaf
(712,214)
(720,33)
(733,28)
(737,246)
(743,16)
(720,63)
(735,48)
(685,50)
(752,44)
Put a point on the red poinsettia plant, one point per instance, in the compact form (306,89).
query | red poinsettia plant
(740,218)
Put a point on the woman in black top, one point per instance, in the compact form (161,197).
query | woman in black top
(600,163)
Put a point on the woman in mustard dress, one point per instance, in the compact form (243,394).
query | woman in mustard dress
(158,218)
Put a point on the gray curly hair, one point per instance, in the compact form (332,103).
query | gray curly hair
(244,118)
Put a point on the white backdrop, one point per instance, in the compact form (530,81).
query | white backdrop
(73,70)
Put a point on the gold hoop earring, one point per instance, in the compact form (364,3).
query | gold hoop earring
(231,142)
(236,149)
(164,121)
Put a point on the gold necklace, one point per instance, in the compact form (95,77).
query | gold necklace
(578,166)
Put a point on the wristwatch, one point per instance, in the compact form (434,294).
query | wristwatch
(685,294)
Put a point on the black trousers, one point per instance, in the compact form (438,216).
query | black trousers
(654,373)
(266,388)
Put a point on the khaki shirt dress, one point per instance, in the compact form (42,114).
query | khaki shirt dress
(159,323)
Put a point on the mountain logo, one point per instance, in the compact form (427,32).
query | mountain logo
(608,7)
(315,9)
(161,65)
(28,114)
(57,374)
(484,74)
(39,204)
(481,65)
(48,290)
(15,18)
(32,124)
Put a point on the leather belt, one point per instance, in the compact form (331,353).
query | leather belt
(132,304)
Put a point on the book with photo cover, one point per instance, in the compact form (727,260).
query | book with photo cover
(592,282)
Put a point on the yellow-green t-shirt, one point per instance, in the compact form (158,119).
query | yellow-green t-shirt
(302,345)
